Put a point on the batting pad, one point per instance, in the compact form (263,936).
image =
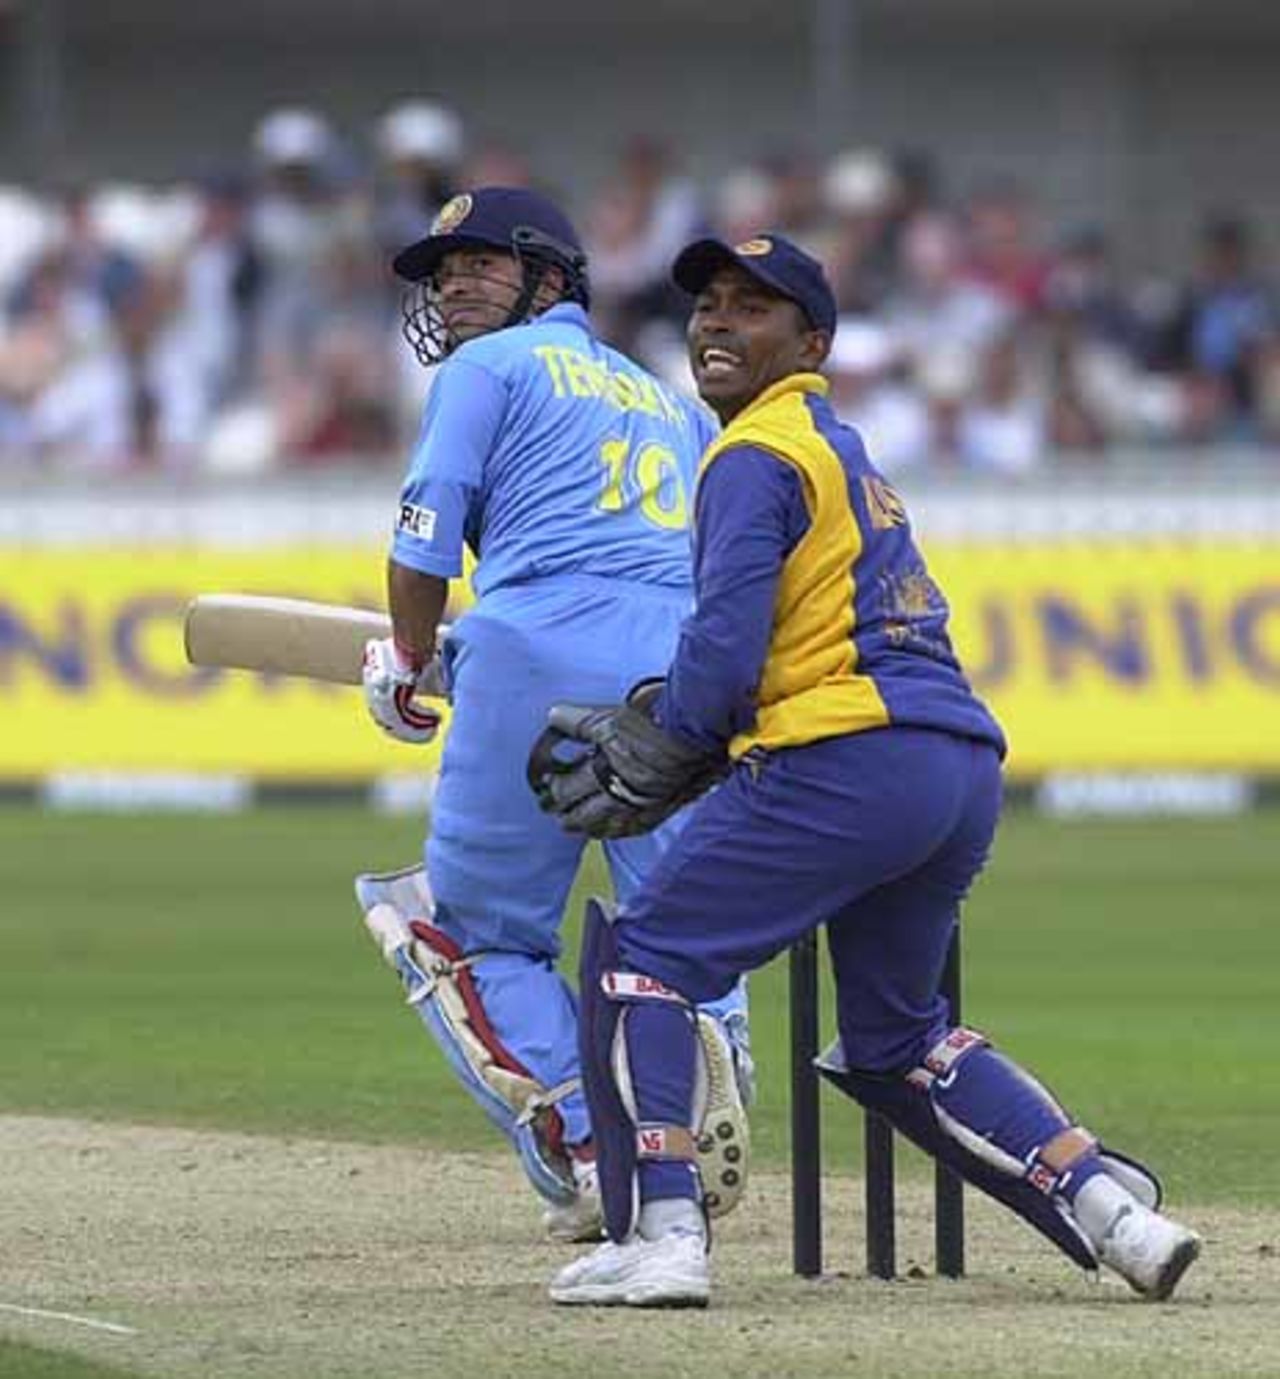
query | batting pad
(439,986)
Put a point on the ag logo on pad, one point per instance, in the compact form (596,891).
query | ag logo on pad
(451,214)
(754,248)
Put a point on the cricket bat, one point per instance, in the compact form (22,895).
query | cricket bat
(319,641)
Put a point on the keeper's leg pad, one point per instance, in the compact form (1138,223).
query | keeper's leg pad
(982,1115)
(724,1135)
(439,986)
(674,1083)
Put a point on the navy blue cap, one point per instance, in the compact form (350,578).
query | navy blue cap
(504,217)
(774,261)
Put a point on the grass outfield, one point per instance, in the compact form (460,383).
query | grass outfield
(213,971)
(28,1362)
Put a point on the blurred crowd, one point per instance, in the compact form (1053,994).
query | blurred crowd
(247,320)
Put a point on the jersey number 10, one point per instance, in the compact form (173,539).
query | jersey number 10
(650,480)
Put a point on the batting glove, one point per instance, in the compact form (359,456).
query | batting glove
(390,683)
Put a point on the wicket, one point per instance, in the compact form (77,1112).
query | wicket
(806,1146)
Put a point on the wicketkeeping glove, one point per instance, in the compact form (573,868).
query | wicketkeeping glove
(390,684)
(632,776)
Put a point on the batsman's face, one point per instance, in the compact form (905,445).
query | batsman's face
(743,337)
(475,289)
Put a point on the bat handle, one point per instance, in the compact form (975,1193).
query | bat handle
(433,681)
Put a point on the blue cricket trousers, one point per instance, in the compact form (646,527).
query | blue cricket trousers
(500,869)
(878,835)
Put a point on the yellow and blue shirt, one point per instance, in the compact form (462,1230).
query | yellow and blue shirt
(816,615)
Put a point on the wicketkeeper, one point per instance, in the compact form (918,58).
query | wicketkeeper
(861,789)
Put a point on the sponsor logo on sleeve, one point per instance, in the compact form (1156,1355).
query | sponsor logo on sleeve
(417,521)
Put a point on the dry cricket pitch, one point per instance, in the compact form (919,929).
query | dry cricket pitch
(229,1256)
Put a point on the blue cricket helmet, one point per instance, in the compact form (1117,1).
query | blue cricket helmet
(514,219)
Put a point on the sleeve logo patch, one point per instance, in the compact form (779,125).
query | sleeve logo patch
(417,521)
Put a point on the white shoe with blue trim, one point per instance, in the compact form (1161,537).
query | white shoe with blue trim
(671,1271)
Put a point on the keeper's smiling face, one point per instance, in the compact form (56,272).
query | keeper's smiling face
(743,337)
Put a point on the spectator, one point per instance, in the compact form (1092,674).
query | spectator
(937,308)
(1228,314)
(237,326)
(63,370)
(1002,254)
(946,379)
(339,399)
(859,190)
(62,374)
(420,149)
(1082,288)
(1003,427)
(1267,390)
(643,215)
(177,323)
(874,393)
(1074,412)
(1093,339)
(800,209)
(745,199)
(917,194)
(495,164)
(295,218)
(221,277)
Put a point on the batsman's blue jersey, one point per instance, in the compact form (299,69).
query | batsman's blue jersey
(550,454)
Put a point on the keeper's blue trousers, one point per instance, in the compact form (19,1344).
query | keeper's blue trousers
(876,835)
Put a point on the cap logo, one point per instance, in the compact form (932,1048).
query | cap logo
(754,248)
(452,214)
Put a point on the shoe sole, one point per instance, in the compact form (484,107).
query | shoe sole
(656,1297)
(723,1144)
(1179,1262)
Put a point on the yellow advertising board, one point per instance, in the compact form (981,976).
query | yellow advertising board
(93,675)
(1143,655)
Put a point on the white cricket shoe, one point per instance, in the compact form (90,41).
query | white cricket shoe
(582,1220)
(723,1141)
(1149,1251)
(671,1271)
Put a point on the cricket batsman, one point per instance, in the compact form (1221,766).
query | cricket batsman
(568,470)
